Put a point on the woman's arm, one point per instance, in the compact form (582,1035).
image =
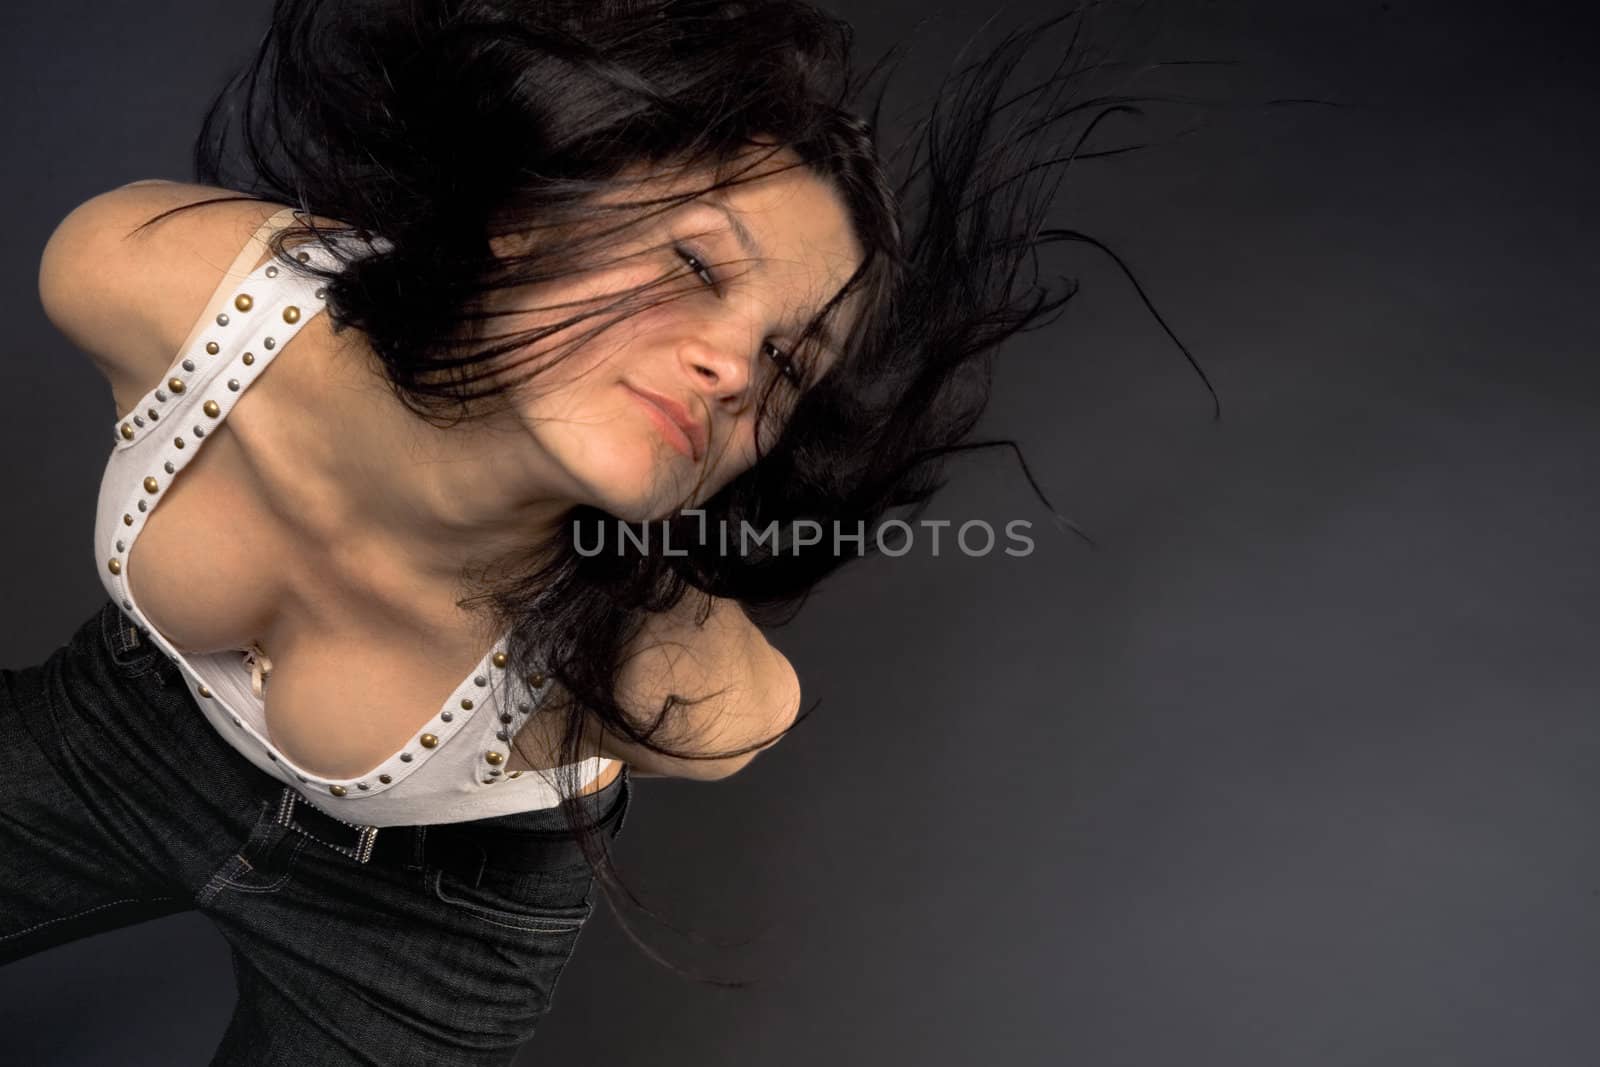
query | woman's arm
(673,654)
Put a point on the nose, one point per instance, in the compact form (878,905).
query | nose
(718,366)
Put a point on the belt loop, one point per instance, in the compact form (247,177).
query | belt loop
(418,860)
(622,802)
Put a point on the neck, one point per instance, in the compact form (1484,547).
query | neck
(436,503)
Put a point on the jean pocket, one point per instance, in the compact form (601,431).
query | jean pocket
(264,862)
(536,903)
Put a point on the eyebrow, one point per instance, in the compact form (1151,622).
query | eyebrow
(747,241)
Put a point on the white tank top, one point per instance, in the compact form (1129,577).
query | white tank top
(450,771)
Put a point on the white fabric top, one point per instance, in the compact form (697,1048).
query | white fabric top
(449,780)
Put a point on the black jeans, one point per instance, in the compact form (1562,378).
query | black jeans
(119,803)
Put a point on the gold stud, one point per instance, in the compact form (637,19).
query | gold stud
(115,566)
(495,758)
(428,740)
(248,358)
(175,384)
(127,431)
(514,774)
(466,703)
(212,348)
(338,790)
(304,257)
(291,314)
(499,659)
(536,679)
(205,692)
(151,485)
(243,302)
(211,408)
(127,520)
(385,779)
(178,441)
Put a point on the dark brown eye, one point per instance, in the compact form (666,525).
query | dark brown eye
(695,265)
(785,362)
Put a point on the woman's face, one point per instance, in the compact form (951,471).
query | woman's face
(741,271)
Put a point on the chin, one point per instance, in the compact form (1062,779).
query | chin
(635,491)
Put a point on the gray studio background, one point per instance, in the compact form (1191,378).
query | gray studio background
(1300,767)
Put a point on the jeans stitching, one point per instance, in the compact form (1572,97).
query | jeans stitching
(79,915)
(272,887)
(509,920)
(121,636)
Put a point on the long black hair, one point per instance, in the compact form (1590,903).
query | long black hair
(440,126)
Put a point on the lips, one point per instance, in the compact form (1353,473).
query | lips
(678,414)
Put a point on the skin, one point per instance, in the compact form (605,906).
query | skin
(416,505)
(580,435)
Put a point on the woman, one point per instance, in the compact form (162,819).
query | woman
(523,270)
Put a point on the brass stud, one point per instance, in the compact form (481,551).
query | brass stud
(304,257)
(466,704)
(385,779)
(115,566)
(338,790)
(494,757)
(175,384)
(291,314)
(212,348)
(127,431)
(205,692)
(243,302)
(514,774)
(178,442)
(499,659)
(536,679)
(151,485)
(248,358)
(127,520)
(210,407)
(428,740)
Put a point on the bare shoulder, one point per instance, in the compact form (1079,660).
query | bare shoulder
(126,293)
